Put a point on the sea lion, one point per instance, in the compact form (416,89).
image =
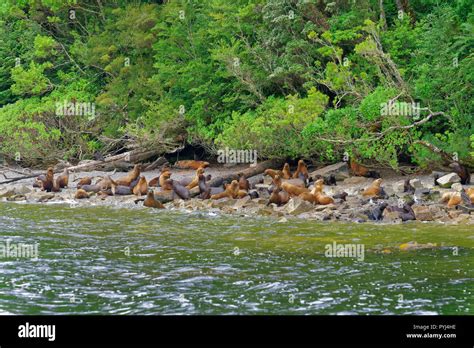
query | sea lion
(286,173)
(231,191)
(141,188)
(195,180)
(341,196)
(179,189)
(119,190)
(462,171)
(165,182)
(301,171)
(106,183)
(243,182)
(435,179)
(84,181)
(39,181)
(377,212)
(309,197)
(323,199)
(454,200)
(359,170)
(373,190)
(407,187)
(278,197)
(63,179)
(191,164)
(204,188)
(405,212)
(81,193)
(131,176)
(48,182)
(89,188)
(154,182)
(328,180)
(253,194)
(272,173)
(293,190)
(151,202)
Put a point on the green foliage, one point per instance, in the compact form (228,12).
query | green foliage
(288,78)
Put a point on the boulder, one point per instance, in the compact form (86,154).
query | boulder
(340,171)
(297,206)
(457,187)
(22,190)
(423,213)
(392,216)
(416,183)
(7,192)
(398,186)
(448,180)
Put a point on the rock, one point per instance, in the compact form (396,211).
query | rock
(423,213)
(7,192)
(398,186)
(44,196)
(22,190)
(223,202)
(416,183)
(463,219)
(448,180)
(16,198)
(392,216)
(241,203)
(340,171)
(283,219)
(453,214)
(297,206)
(457,187)
(267,180)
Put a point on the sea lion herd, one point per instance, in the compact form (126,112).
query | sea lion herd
(285,185)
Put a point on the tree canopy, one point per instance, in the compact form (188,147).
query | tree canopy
(288,78)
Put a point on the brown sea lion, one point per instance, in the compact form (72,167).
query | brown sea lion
(165,182)
(360,170)
(231,191)
(293,190)
(191,164)
(141,188)
(39,181)
(204,188)
(373,190)
(323,199)
(243,182)
(301,171)
(454,200)
(273,173)
(286,173)
(48,182)
(151,202)
(131,176)
(106,183)
(84,181)
(309,197)
(195,181)
(278,197)
(63,179)
(81,193)
(154,182)
(462,171)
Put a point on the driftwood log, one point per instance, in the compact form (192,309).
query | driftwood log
(133,156)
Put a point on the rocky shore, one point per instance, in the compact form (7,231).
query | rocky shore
(427,207)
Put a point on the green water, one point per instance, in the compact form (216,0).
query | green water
(101,260)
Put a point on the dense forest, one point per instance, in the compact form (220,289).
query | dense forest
(375,79)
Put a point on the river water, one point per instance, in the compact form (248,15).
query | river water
(107,260)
